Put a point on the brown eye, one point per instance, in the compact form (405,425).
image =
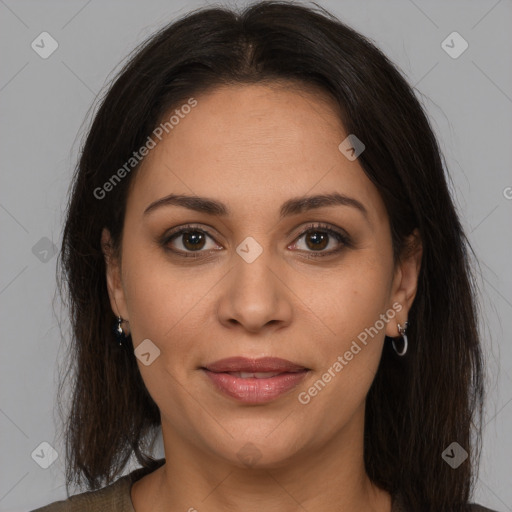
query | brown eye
(316,240)
(187,241)
(193,240)
(318,237)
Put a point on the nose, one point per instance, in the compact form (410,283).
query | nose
(255,296)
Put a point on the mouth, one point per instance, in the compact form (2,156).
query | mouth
(261,365)
(254,381)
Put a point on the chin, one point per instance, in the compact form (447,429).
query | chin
(259,451)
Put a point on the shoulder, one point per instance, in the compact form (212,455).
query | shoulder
(398,505)
(112,498)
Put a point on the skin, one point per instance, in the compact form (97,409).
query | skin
(253,147)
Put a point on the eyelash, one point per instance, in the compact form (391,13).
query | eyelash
(342,238)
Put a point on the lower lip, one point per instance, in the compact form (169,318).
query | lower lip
(253,390)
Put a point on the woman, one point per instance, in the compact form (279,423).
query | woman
(260,211)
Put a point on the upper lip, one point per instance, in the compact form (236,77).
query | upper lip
(263,364)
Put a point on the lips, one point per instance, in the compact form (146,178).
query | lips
(255,375)
(262,365)
(254,381)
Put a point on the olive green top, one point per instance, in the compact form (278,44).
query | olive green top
(116,498)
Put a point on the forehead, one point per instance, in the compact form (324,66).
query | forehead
(253,145)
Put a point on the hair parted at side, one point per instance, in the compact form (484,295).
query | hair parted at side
(418,404)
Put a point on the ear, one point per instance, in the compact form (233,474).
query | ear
(405,281)
(113,276)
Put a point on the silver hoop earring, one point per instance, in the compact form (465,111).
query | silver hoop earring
(401,331)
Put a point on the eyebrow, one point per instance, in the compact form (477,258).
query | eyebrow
(290,207)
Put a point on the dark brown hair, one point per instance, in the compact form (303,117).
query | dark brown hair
(417,405)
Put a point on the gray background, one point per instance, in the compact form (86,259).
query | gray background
(44,103)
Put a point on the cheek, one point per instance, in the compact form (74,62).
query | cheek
(350,307)
(354,297)
(161,304)
(152,298)
(168,305)
(165,307)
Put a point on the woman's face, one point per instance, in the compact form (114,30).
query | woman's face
(258,276)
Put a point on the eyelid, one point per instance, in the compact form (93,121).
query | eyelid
(321,226)
(343,238)
(177,231)
(340,234)
(191,227)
